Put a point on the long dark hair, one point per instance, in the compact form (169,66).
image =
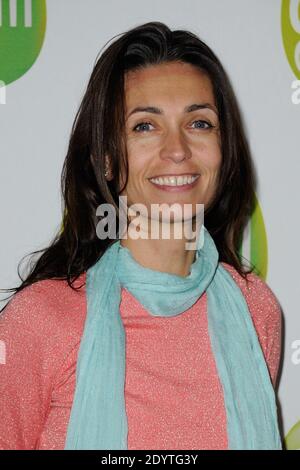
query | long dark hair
(98,130)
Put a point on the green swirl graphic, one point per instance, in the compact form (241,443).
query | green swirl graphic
(257,252)
(290,29)
(22,32)
(292,439)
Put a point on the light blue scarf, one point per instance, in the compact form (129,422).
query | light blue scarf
(98,417)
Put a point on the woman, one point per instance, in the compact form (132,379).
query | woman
(139,342)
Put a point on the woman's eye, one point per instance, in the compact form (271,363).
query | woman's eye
(202,124)
(137,128)
(142,126)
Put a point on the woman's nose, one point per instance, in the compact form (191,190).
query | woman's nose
(175,147)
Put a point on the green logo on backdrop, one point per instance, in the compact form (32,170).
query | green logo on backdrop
(292,440)
(22,32)
(290,27)
(253,245)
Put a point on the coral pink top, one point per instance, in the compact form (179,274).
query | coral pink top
(173,396)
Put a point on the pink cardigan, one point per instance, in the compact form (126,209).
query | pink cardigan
(173,395)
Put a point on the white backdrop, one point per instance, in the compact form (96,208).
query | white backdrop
(36,119)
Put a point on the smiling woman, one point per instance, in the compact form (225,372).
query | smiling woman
(170,159)
(140,343)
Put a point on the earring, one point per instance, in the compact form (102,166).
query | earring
(106,171)
(106,168)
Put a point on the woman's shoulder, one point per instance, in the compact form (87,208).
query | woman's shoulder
(255,289)
(266,314)
(45,310)
(40,332)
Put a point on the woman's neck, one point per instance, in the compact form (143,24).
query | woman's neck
(164,254)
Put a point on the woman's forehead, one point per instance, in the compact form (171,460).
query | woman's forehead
(167,83)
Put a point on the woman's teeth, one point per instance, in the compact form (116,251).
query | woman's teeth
(174,180)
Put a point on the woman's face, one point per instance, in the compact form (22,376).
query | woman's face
(170,136)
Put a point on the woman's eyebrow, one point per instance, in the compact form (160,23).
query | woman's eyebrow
(188,109)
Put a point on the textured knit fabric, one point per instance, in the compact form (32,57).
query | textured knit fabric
(173,394)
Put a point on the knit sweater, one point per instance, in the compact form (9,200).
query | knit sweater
(173,395)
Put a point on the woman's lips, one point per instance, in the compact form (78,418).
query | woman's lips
(176,189)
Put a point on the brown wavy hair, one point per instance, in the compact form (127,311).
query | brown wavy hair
(99,129)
